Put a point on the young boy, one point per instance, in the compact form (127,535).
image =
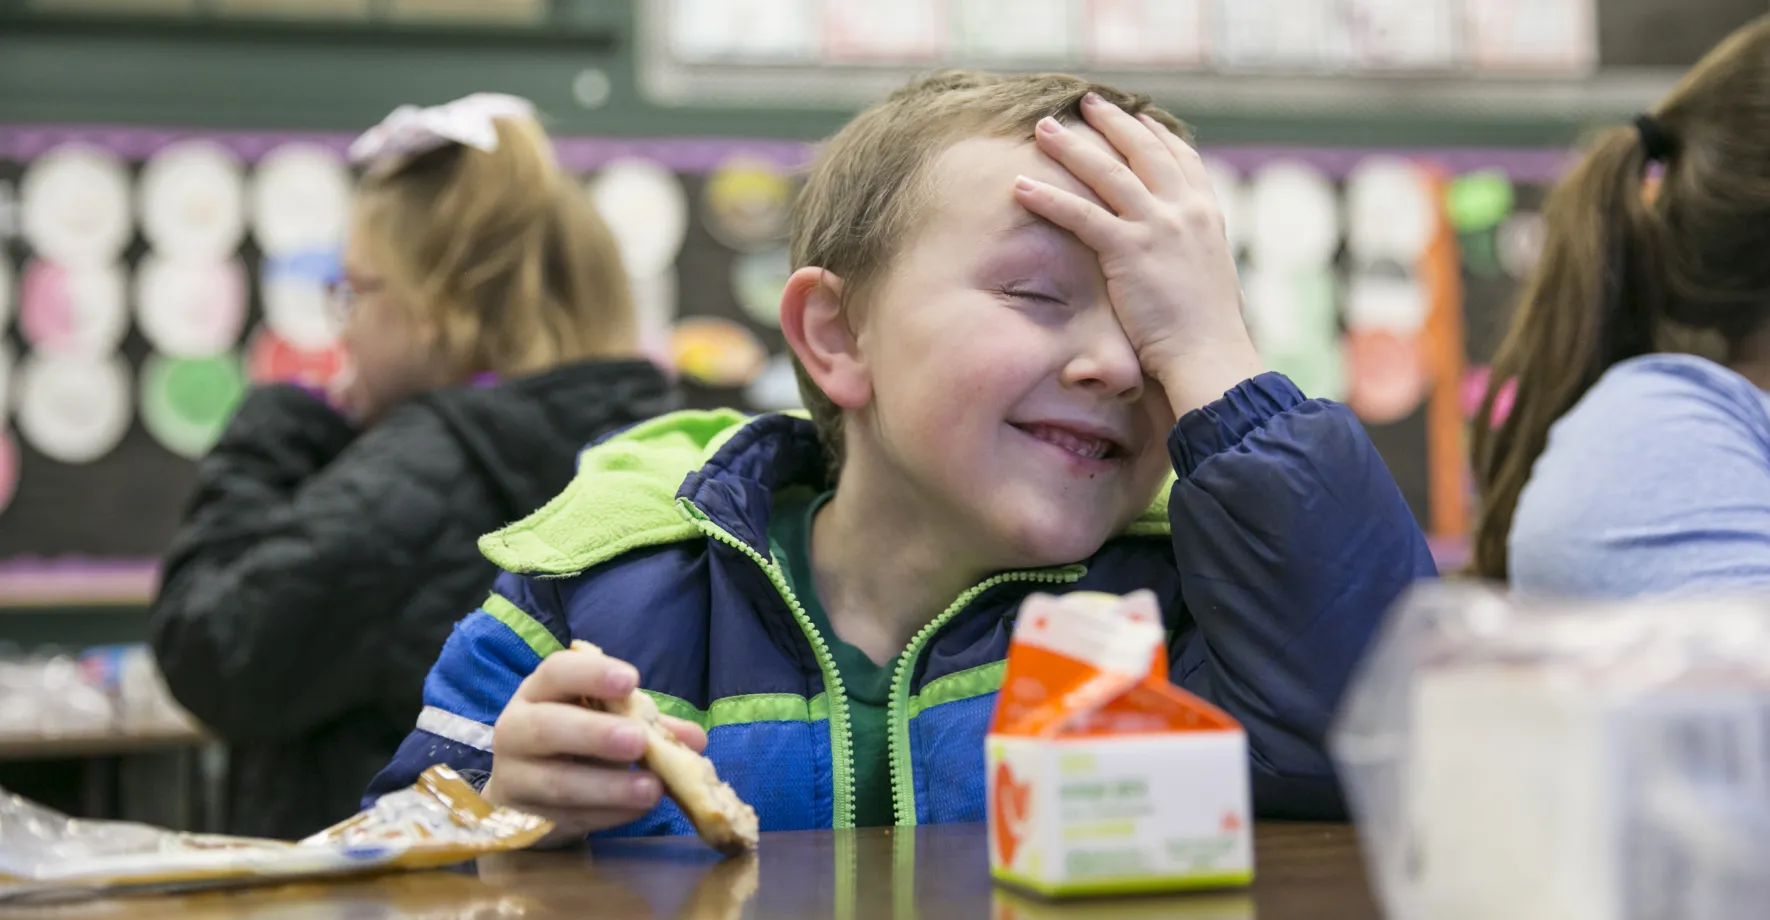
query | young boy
(1008,290)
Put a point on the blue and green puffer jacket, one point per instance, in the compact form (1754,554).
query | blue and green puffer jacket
(1276,549)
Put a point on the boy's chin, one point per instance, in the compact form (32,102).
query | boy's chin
(1045,544)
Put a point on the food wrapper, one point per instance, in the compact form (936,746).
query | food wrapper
(1534,760)
(440,820)
(1104,777)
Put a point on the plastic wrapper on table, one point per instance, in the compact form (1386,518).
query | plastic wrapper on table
(1526,760)
(440,820)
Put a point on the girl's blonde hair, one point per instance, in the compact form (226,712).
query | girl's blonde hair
(502,254)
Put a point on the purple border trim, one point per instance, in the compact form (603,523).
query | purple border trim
(703,154)
(76,581)
(579,154)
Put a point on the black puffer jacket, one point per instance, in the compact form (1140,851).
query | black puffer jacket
(319,570)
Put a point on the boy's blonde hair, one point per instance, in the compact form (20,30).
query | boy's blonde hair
(869,184)
(509,266)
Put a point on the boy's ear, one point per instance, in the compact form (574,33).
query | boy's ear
(818,332)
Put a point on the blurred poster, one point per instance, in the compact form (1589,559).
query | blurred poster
(1146,33)
(744,31)
(1283,35)
(1028,31)
(1400,34)
(884,31)
(1532,36)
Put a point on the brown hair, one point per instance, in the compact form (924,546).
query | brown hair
(869,184)
(503,253)
(1624,273)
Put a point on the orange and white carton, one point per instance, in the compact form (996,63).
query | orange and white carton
(1104,777)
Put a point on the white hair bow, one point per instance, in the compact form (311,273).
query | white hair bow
(410,130)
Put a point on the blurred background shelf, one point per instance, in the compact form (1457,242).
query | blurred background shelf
(101,744)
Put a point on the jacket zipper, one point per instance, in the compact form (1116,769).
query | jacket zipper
(897,721)
(841,730)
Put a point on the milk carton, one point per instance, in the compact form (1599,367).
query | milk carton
(1104,778)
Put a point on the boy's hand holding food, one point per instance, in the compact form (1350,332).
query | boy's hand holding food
(573,765)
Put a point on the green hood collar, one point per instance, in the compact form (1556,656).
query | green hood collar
(623,498)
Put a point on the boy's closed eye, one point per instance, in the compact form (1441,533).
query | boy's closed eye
(1033,294)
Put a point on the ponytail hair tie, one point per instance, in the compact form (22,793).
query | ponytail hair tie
(1657,142)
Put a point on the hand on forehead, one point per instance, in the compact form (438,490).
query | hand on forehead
(1055,173)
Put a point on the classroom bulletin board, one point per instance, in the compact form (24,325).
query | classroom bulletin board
(150,276)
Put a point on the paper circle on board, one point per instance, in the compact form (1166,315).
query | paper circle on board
(1319,371)
(1393,303)
(270,359)
(1289,311)
(8,468)
(747,202)
(1293,217)
(75,203)
(73,408)
(1391,211)
(296,306)
(1478,200)
(716,352)
(1519,242)
(1388,375)
(645,207)
(190,309)
(73,310)
(758,278)
(776,389)
(1294,320)
(186,402)
(1231,196)
(300,200)
(193,201)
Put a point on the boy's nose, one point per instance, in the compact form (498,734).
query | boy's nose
(1104,360)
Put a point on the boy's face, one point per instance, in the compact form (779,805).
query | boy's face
(1006,396)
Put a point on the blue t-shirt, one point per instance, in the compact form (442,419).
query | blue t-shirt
(1657,482)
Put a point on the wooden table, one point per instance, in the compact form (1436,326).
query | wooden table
(1303,872)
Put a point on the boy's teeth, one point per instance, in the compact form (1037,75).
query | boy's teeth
(1092,448)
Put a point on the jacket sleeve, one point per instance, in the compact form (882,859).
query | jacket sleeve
(279,606)
(1292,540)
(487,657)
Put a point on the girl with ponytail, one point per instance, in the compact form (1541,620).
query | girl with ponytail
(1636,457)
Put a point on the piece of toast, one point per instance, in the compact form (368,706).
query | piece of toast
(725,821)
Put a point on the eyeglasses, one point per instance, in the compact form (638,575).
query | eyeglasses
(342,296)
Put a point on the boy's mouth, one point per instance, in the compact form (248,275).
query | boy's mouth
(1086,444)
